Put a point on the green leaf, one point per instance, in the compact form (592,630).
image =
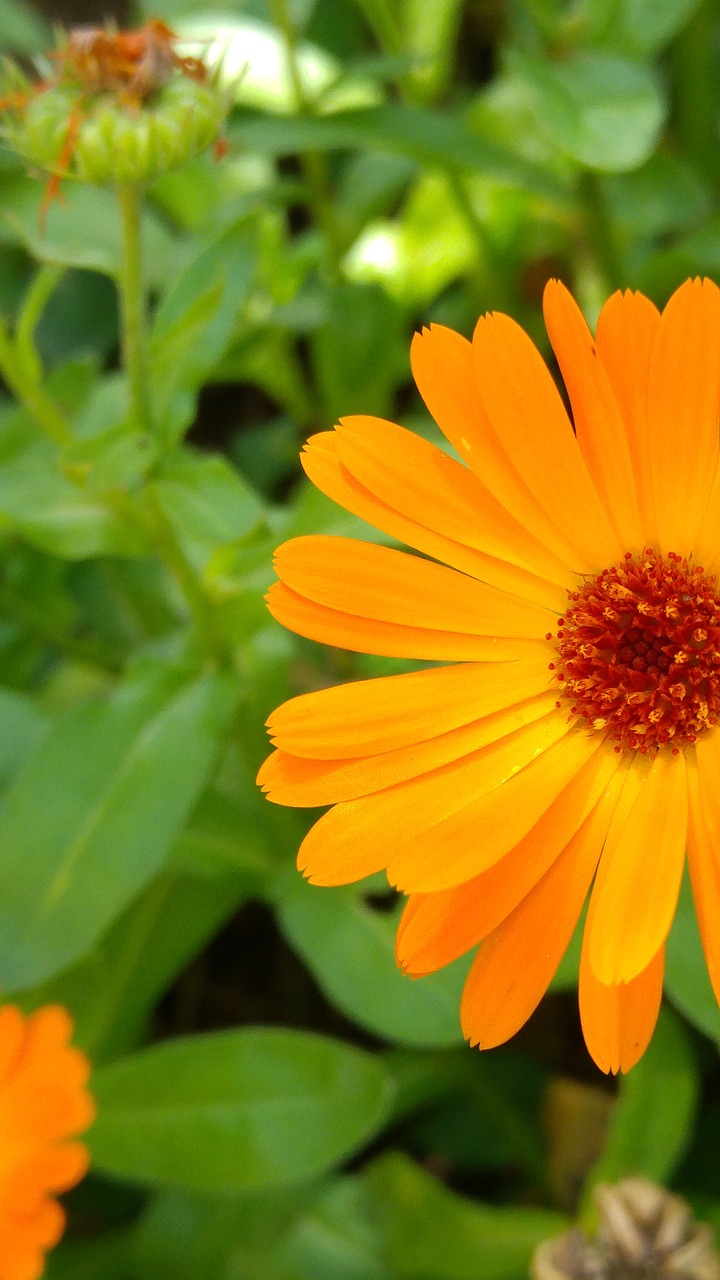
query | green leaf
(207,502)
(185,1236)
(647,1135)
(362,331)
(604,112)
(112,992)
(641,28)
(433,1234)
(21,28)
(23,725)
(350,950)
(195,319)
(57,516)
(431,137)
(686,976)
(83,231)
(255,1108)
(92,817)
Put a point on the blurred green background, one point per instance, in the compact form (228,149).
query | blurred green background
(389,163)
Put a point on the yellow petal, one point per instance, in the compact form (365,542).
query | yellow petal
(477,832)
(624,339)
(422,482)
(294,780)
(436,928)
(443,366)
(638,882)
(364,635)
(379,822)
(529,419)
(323,467)
(372,716)
(704,847)
(598,424)
(515,964)
(684,410)
(618,1021)
(385,585)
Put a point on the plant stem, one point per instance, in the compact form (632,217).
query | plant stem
(600,231)
(31,393)
(313,162)
(133,322)
(171,553)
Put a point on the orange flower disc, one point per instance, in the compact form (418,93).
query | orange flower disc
(43,1104)
(640,651)
(564,580)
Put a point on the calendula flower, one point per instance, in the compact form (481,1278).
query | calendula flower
(43,1104)
(572,748)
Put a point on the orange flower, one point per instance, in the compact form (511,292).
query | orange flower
(43,1102)
(573,747)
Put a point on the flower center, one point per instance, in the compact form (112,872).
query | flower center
(639,651)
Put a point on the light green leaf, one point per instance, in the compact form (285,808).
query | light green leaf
(251,54)
(83,231)
(255,1108)
(430,137)
(57,516)
(641,28)
(21,28)
(207,502)
(92,817)
(350,950)
(433,1234)
(604,112)
(111,993)
(686,976)
(23,725)
(195,319)
(647,1135)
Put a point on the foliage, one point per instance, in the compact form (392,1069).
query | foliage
(275,1100)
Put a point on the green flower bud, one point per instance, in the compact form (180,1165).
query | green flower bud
(97,137)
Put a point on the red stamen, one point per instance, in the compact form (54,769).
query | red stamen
(639,650)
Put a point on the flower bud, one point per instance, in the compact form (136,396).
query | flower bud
(91,124)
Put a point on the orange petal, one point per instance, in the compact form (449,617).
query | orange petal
(530,421)
(684,409)
(324,468)
(618,1021)
(624,339)
(598,424)
(478,832)
(293,780)
(704,847)
(375,582)
(443,366)
(638,882)
(420,481)
(436,928)
(369,830)
(378,715)
(516,963)
(363,635)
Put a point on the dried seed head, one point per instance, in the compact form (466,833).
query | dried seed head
(644,1233)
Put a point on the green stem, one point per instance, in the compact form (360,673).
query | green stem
(43,285)
(486,252)
(30,393)
(600,231)
(313,162)
(170,551)
(133,324)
